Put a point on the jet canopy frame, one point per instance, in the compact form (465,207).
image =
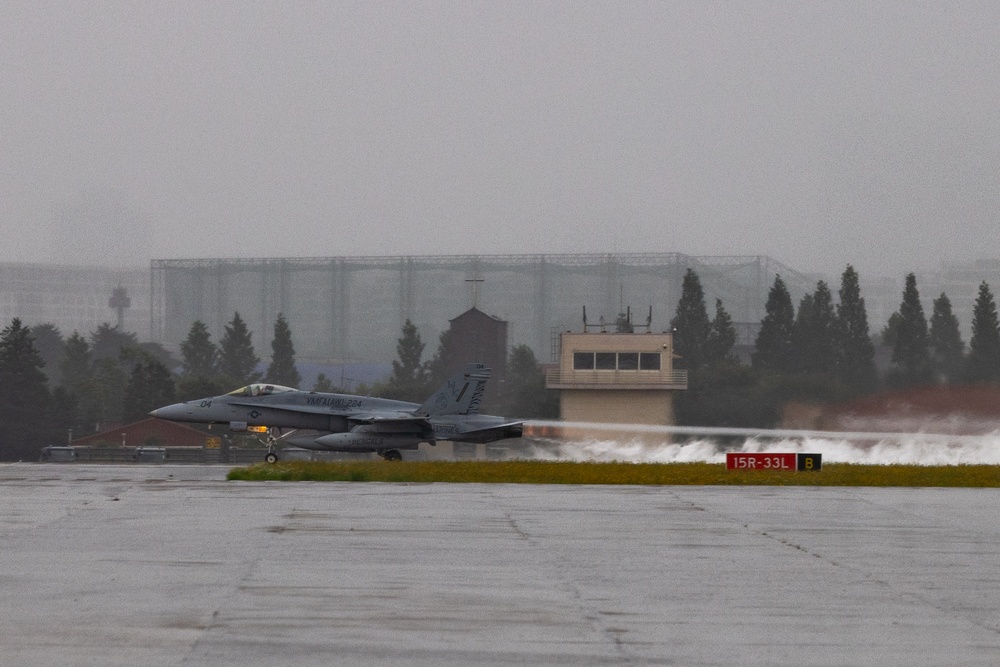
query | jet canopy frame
(260,389)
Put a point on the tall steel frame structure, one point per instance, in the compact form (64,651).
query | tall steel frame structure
(73,298)
(352,308)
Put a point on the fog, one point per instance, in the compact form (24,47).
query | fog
(818,133)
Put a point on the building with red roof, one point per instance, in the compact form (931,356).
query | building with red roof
(149,432)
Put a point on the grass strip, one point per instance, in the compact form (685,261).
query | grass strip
(549,472)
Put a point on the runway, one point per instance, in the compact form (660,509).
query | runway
(170,565)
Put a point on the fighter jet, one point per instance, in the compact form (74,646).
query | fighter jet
(348,423)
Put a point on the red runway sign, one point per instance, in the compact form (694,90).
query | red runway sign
(772,461)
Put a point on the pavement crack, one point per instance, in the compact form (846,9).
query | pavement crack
(595,618)
(516,528)
(891,588)
(214,622)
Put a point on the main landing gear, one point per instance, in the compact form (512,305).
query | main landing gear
(391,455)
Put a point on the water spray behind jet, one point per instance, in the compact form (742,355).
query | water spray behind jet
(643,443)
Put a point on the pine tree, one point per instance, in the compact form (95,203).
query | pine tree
(525,392)
(323,384)
(75,369)
(445,361)
(109,387)
(947,348)
(160,353)
(49,342)
(911,353)
(108,342)
(65,413)
(802,336)
(199,356)
(773,346)
(410,379)
(721,337)
(190,388)
(814,334)
(77,374)
(150,385)
(855,353)
(237,358)
(890,332)
(282,369)
(690,324)
(25,406)
(984,348)
(136,394)
(824,330)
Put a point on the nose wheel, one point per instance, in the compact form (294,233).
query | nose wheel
(272,454)
(391,455)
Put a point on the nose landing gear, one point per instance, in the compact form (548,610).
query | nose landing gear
(272,454)
(391,455)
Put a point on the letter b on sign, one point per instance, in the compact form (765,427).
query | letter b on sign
(809,462)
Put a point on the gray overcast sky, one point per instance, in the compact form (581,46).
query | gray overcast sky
(818,133)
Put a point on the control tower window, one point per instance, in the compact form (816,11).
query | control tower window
(605,361)
(628,361)
(649,361)
(583,361)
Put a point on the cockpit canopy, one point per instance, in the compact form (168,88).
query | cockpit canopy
(260,389)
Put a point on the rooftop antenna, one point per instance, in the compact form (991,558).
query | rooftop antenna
(649,322)
(624,322)
(601,323)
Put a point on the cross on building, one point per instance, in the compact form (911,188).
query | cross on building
(474,283)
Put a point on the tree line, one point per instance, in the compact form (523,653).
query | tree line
(51,385)
(823,351)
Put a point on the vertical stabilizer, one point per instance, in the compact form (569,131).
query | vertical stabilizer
(461,394)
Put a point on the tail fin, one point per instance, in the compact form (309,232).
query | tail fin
(461,394)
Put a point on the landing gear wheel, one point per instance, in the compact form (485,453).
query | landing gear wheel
(271,457)
(392,455)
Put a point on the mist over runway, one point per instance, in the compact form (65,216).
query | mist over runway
(638,444)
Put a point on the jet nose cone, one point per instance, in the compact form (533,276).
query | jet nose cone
(175,411)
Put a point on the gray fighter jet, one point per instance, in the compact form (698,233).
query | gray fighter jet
(348,423)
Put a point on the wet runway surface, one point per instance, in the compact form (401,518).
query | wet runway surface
(165,565)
